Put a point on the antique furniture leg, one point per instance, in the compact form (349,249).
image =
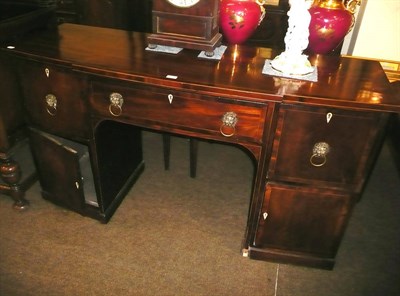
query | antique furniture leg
(10,173)
(193,143)
(166,150)
(193,157)
(394,130)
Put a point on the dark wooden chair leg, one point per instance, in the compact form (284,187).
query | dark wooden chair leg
(193,144)
(193,157)
(167,150)
(394,130)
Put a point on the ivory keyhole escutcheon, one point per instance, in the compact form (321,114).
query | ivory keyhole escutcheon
(170,98)
(329,117)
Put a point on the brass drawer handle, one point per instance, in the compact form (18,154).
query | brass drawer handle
(320,151)
(116,102)
(229,121)
(51,107)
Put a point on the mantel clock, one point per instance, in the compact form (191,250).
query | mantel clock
(191,24)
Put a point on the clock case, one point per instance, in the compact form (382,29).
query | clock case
(194,27)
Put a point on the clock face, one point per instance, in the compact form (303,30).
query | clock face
(183,3)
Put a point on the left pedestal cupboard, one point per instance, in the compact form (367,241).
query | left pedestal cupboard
(88,92)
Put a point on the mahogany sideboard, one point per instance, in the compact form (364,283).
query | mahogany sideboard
(88,92)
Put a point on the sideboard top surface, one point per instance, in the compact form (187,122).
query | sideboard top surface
(342,81)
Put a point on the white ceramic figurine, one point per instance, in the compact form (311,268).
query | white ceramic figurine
(292,61)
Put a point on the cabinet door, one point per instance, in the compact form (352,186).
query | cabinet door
(325,147)
(59,165)
(303,220)
(54,99)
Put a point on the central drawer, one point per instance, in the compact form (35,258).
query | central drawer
(172,109)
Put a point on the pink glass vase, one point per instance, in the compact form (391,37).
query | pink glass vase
(239,19)
(330,22)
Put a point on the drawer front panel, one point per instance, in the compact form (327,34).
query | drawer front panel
(322,145)
(54,100)
(181,110)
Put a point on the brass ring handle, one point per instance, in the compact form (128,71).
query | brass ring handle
(223,130)
(51,104)
(229,121)
(319,152)
(116,102)
(314,160)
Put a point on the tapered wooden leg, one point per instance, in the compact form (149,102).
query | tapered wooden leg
(193,157)
(193,144)
(167,150)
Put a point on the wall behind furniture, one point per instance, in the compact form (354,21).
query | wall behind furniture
(376,33)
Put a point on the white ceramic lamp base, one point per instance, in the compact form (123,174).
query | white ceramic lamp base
(292,61)
(292,64)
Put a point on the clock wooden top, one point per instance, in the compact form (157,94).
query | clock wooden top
(342,81)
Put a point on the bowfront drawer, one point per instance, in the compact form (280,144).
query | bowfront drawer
(325,146)
(54,100)
(155,106)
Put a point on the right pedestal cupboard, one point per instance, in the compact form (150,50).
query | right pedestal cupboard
(313,143)
(320,160)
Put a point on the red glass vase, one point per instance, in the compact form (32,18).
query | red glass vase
(330,23)
(239,19)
